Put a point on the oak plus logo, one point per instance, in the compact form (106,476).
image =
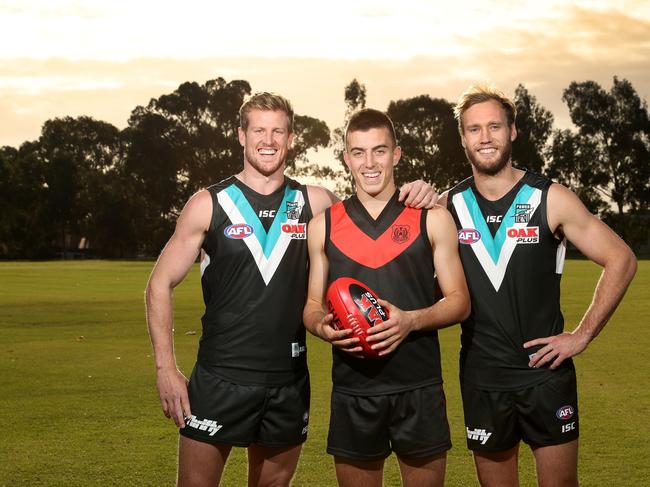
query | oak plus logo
(209,425)
(524,235)
(478,434)
(296,231)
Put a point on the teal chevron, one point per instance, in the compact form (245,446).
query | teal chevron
(493,245)
(267,240)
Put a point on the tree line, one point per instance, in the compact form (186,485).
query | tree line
(117,193)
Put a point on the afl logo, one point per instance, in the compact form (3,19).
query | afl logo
(565,413)
(238,231)
(468,236)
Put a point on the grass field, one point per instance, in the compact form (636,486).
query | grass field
(79,406)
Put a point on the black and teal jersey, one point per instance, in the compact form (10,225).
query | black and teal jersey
(513,264)
(254,280)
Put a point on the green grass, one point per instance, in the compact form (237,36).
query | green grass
(79,405)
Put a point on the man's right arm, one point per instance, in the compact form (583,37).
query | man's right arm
(320,199)
(314,317)
(173,265)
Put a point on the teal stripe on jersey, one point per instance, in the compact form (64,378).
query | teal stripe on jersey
(247,212)
(267,241)
(275,230)
(479,224)
(493,245)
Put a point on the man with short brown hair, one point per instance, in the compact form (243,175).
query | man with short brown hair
(394,403)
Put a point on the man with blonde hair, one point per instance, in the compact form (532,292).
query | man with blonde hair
(517,378)
(250,385)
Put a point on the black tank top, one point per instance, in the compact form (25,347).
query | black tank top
(393,256)
(254,280)
(513,264)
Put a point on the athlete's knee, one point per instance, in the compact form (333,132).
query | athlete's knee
(559,478)
(276,479)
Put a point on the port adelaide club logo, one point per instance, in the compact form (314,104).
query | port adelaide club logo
(293,210)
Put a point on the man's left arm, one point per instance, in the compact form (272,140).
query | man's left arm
(451,309)
(417,194)
(567,215)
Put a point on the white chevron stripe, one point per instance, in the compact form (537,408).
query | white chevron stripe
(267,267)
(495,272)
(205,262)
(559,257)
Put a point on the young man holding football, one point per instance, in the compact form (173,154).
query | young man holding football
(394,402)
(517,378)
(250,386)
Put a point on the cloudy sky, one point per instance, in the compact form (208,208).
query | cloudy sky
(103,58)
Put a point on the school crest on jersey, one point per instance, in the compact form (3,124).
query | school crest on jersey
(400,233)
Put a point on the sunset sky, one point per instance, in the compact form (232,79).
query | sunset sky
(103,58)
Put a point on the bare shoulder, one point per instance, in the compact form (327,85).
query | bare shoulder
(564,206)
(320,198)
(439,215)
(198,210)
(317,222)
(558,192)
(440,224)
(316,233)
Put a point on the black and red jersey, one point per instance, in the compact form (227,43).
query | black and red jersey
(393,256)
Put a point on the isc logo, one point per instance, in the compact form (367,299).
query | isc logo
(568,427)
(565,413)
(468,236)
(238,231)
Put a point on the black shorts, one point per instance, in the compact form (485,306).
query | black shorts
(413,424)
(541,415)
(238,415)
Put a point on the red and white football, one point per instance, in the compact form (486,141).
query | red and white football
(355,307)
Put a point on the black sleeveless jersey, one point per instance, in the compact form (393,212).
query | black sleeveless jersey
(254,279)
(392,255)
(513,264)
